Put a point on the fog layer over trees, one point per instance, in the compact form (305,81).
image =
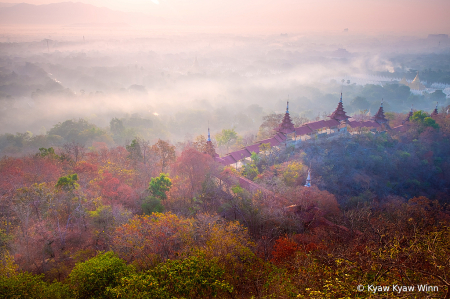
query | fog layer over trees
(170,86)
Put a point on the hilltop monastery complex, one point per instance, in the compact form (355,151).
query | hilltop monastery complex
(286,133)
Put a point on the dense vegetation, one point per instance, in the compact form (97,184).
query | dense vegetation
(159,221)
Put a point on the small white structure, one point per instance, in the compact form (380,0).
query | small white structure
(308,179)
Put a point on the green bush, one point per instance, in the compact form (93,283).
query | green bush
(91,278)
(194,277)
(151,205)
(28,286)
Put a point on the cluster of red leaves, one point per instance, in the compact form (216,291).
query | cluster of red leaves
(283,250)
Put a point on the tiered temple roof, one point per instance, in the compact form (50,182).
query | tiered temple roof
(209,149)
(409,115)
(435,111)
(286,126)
(379,116)
(339,114)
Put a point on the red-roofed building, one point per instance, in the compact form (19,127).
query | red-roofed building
(316,125)
(370,124)
(240,154)
(253,187)
(435,111)
(254,148)
(331,123)
(338,119)
(286,126)
(280,137)
(361,124)
(409,115)
(272,141)
(228,160)
(303,130)
(379,116)
(354,124)
(219,160)
(339,114)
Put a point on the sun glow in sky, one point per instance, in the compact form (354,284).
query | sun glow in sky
(365,16)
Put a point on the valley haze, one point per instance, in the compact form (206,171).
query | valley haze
(181,64)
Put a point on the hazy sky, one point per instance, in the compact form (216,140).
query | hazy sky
(416,17)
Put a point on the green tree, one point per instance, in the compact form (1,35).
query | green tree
(90,279)
(160,185)
(71,130)
(255,157)
(226,138)
(43,152)
(26,285)
(423,120)
(292,173)
(134,149)
(194,277)
(68,182)
(250,171)
(152,204)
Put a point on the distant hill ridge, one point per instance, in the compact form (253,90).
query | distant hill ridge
(65,13)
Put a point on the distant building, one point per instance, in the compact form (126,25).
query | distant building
(286,126)
(338,123)
(308,179)
(380,118)
(411,112)
(435,112)
(339,114)
(415,84)
(209,149)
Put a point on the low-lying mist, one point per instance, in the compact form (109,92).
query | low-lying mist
(179,82)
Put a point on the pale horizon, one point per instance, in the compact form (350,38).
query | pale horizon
(398,17)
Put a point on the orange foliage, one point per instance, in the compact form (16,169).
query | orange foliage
(145,240)
(308,198)
(83,166)
(19,172)
(99,145)
(309,242)
(283,250)
(193,167)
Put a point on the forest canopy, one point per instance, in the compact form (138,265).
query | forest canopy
(164,221)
